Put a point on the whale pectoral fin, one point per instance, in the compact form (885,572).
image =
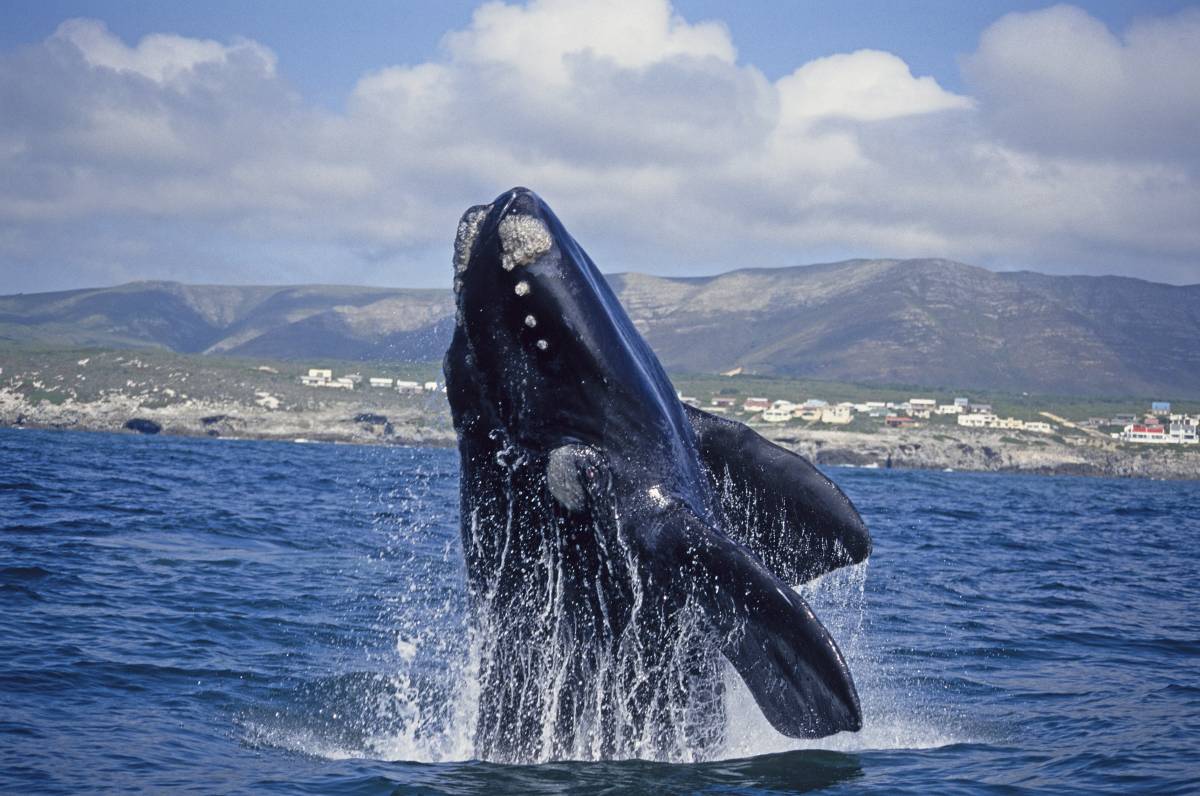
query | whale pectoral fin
(777,503)
(786,657)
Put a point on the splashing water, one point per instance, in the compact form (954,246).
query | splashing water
(424,706)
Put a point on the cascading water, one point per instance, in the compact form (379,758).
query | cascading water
(576,659)
(576,681)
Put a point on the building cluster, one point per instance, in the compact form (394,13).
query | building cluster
(990,420)
(895,414)
(323,377)
(1159,427)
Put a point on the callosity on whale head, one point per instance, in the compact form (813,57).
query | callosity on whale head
(618,543)
(552,352)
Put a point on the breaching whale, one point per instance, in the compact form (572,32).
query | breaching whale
(619,543)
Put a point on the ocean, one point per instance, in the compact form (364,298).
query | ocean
(212,616)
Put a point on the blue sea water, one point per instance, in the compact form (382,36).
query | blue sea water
(215,616)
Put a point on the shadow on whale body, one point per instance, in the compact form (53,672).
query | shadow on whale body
(618,543)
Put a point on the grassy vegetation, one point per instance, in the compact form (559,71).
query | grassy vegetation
(50,373)
(163,377)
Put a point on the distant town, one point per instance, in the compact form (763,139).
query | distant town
(1157,426)
(831,423)
(323,377)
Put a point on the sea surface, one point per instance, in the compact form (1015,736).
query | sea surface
(212,616)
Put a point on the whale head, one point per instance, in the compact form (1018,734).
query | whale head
(542,348)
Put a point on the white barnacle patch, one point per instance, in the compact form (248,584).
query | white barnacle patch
(468,230)
(522,288)
(542,345)
(523,239)
(458,285)
(656,495)
(530,321)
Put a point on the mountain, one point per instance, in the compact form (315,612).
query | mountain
(928,322)
(301,322)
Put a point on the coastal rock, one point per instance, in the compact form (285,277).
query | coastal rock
(142,426)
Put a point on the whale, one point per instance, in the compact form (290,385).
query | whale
(625,554)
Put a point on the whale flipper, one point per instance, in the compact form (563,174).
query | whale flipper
(778,504)
(783,653)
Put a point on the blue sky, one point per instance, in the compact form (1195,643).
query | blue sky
(325,47)
(303,141)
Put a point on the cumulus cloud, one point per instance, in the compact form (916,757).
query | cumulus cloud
(183,158)
(1058,81)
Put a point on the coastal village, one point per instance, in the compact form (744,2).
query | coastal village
(830,423)
(1157,426)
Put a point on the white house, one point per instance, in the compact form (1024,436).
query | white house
(378,381)
(779,411)
(838,415)
(1136,432)
(408,386)
(1185,430)
(317,377)
(977,420)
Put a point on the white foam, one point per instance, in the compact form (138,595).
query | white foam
(523,239)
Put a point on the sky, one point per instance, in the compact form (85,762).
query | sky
(293,141)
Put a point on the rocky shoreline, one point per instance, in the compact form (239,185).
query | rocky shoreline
(982,450)
(343,422)
(364,423)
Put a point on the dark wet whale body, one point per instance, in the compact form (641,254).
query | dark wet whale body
(618,543)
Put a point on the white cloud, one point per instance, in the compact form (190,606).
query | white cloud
(1058,81)
(658,147)
(541,39)
(867,85)
(159,57)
